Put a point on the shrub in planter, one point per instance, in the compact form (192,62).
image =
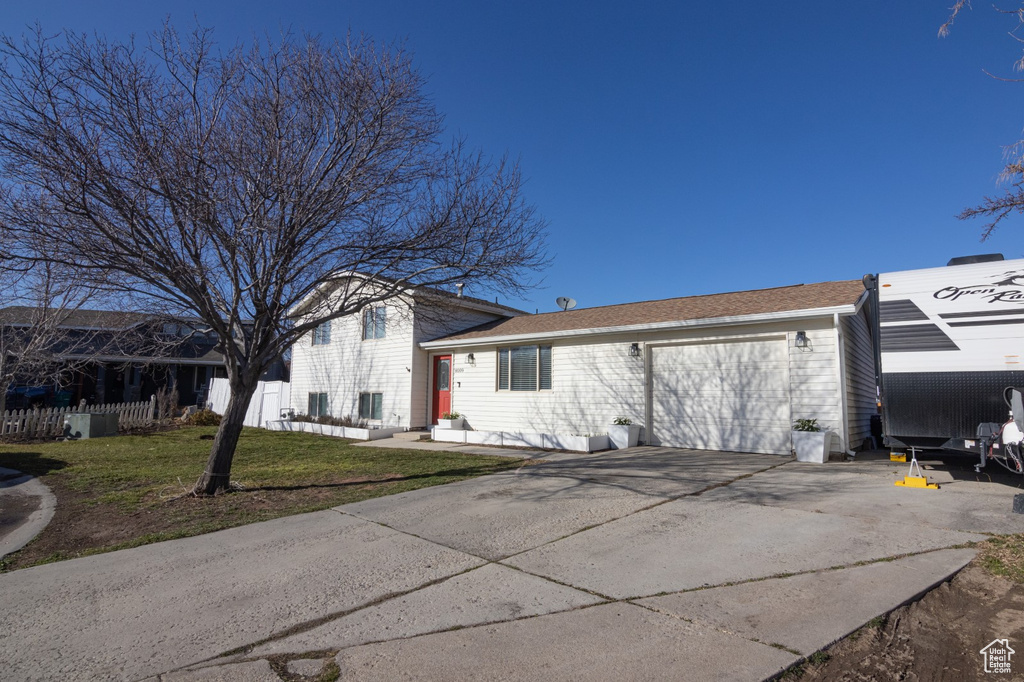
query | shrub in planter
(623,433)
(328,420)
(450,420)
(203,418)
(810,442)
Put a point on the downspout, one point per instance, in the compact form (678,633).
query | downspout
(841,369)
(648,410)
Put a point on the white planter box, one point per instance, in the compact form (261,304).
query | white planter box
(334,431)
(448,435)
(552,441)
(451,423)
(522,440)
(484,437)
(812,446)
(623,436)
(371,434)
(582,443)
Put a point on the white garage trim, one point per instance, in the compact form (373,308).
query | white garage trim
(720,394)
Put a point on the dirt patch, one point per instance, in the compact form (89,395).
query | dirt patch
(14,510)
(936,638)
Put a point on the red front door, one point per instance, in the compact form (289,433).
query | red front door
(442,386)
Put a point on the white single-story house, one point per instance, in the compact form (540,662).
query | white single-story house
(718,372)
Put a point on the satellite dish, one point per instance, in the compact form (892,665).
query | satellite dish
(565,303)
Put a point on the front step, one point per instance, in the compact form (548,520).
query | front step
(412,435)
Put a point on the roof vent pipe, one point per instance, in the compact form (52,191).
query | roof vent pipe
(460,287)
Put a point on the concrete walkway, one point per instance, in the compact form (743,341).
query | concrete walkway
(642,564)
(408,444)
(26,506)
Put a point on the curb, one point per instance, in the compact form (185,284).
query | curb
(33,524)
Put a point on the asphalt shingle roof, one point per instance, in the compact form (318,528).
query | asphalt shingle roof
(80,318)
(734,304)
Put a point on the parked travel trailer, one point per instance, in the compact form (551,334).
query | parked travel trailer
(950,345)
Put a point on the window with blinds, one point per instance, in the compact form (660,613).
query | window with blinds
(524,368)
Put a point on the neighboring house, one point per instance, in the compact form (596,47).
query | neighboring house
(120,357)
(720,372)
(724,372)
(370,367)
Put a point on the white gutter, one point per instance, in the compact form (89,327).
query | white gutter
(121,359)
(648,327)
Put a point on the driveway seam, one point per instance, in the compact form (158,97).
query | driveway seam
(305,626)
(309,625)
(782,576)
(716,628)
(659,503)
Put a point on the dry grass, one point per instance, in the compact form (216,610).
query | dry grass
(114,493)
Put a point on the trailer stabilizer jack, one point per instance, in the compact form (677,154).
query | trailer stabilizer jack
(915,481)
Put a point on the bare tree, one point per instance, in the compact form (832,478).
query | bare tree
(34,335)
(997,208)
(233,184)
(48,331)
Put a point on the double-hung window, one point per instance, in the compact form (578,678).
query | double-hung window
(371,405)
(318,405)
(524,368)
(374,322)
(322,334)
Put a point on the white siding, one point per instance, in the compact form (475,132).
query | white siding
(432,322)
(814,378)
(591,384)
(595,381)
(860,377)
(348,366)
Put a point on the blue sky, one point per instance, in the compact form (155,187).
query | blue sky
(680,148)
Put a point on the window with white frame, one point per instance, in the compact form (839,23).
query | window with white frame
(318,405)
(524,368)
(374,322)
(371,405)
(322,334)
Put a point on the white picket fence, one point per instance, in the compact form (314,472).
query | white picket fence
(44,423)
(270,398)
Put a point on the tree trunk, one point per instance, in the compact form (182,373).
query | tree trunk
(217,477)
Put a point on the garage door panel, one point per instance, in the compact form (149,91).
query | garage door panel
(722,396)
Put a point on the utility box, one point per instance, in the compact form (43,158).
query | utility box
(90,425)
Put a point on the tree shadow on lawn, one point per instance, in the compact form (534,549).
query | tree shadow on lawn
(33,463)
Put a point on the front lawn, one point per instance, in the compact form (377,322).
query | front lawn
(121,492)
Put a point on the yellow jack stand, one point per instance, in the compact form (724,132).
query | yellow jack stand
(918,481)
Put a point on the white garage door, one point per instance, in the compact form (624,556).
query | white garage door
(722,396)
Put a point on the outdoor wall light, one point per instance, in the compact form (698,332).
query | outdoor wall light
(634,350)
(801,339)
(471,359)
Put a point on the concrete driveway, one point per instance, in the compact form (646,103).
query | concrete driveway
(648,563)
